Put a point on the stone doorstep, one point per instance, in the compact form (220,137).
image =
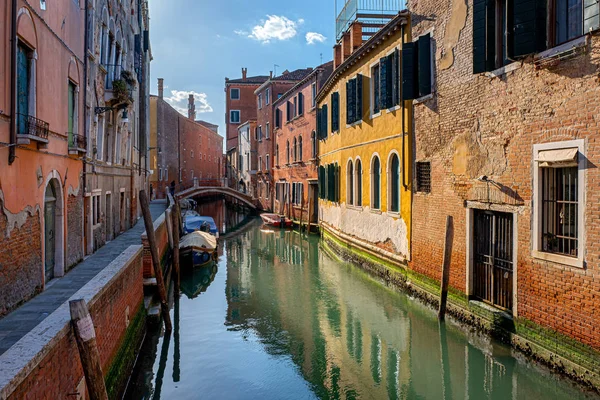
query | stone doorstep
(492,321)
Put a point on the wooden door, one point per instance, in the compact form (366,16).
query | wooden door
(49,232)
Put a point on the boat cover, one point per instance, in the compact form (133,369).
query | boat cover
(199,241)
(194,222)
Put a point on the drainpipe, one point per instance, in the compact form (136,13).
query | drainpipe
(403,129)
(86,127)
(13,85)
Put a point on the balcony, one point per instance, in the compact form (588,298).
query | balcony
(373,14)
(77,143)
(30,128)
(119,85)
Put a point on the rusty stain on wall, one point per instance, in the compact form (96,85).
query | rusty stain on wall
(457,22)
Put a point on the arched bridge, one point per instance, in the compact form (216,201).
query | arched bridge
(195,191)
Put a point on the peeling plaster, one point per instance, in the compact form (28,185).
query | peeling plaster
(373,227)
(452,32)
(19,219)
(474,156)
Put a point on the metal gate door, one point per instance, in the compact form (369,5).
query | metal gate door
(493,258)
(49,231)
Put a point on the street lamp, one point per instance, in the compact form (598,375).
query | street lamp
(101,110)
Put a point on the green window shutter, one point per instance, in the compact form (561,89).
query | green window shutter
(319,133)
(389,98)
(383,83)
(528,22)
(395,84)
(287,111)
(359,98)
(409,78)
(324,117)
(591,15)
(424,52)
(479,35)
(349,103)
(335,112)
(300,103)
(490,42)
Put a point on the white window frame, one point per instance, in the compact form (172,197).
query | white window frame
(372,91)
(537,209)
(259,101)
(267,165)
(160,174)
(267,134)
(260,163)
(231,94)
(432,66)
(267,96)
(96,195)
(231,121)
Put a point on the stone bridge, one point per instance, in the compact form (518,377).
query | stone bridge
(197,191)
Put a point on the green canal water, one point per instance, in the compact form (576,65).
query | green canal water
(278,318)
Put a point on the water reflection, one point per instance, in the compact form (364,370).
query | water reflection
(281,319)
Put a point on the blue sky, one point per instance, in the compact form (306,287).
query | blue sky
(197,43)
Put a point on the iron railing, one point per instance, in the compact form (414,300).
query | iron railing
(77,142)
(29,125)
(368,11)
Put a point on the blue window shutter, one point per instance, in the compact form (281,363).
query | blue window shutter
(349,103)
(359,98)
(424,44)
(383,83)
(324,118)
(479,36)
(591,15)
(409,78)
(528,23)
(490,43)
(395,84)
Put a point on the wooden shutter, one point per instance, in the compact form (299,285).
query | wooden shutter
(359,98)
(277,118)
(479,35)
(409,78)
(591,15)
(335,112)
(490,42)
(300,103)
(349,102)
(527,18)
(383,83)
(395,83)
(389,97)
(424,44)
(324,119)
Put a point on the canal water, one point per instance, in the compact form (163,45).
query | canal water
(278,318)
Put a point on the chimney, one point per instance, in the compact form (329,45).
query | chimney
(191,108)
(271,74)
(337,55)
(356,32)
(244,73)
(346,49)
(160,87)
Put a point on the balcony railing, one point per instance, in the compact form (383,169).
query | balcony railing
(32,127)
(373,13)
(77,143)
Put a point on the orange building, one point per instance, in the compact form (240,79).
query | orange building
(42,56)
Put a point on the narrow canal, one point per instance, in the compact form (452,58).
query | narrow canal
(278,318)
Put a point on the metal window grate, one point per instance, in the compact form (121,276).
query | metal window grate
(424,177)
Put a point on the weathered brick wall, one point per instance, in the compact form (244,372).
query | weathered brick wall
(207,148)
(21,269)
(74,230)
(59,373)
(482,125)
(162,239)
(246,105)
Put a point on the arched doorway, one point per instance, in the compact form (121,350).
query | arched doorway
(53,230)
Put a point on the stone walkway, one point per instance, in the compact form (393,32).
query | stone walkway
(18,323)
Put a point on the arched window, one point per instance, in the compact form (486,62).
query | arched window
(300,148)
(295,150)
(394,183)
(277,155)
(350,183)
(375,183)
(313,144)
(358,184)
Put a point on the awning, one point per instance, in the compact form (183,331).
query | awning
(559,158)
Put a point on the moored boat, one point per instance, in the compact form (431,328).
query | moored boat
(198,249)
(193,222)
(276,220)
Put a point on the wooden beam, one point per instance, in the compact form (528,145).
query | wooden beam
(446,268)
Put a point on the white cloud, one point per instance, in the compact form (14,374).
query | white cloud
(274,28)
(240,32)
(179,101)
(314,37)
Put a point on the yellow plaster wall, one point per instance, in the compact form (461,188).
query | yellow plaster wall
(380,135)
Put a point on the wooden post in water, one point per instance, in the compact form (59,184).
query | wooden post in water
(309,210)
(160,282)
(85,335)
(301,212)
(446,268)
(176,227)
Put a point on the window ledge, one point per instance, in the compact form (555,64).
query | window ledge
(557,258)
(396,108)
(102,68)
(376,211)
(561,48)
(422,99)
(504,70)
(359,122)
(378,114)
(353,207)
(395,214)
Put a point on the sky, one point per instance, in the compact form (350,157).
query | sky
(197,43)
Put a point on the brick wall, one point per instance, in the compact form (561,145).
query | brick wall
(20,261)
(162,239)
(74,230)
(484,125)
(246,105)
(113,309)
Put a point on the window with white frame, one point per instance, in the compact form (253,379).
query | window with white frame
(558,202)
(160,174)
(314,95)
(260,101)
(234,94)
(267,163)
(260,163)
(234,116)
(267,133)
(96,208)
(267,96)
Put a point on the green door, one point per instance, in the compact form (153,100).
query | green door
(49,231)
(71,111)
(22,89)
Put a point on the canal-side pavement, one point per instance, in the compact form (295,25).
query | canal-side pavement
(18,323)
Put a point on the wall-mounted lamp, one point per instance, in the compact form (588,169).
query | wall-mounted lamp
(101,110)
(125,118)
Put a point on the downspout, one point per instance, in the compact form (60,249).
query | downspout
(179,150)
(403,120)
(13,85)
(86,127)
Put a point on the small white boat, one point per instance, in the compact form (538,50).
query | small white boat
(198,248)
(276,220)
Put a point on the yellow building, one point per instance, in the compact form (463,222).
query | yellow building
(364,121)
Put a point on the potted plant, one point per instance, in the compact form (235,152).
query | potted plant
(121,91)
(128,77)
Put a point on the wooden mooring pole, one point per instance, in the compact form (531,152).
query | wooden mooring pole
(160,282)
(301,213)
(446,268)
(309,216)
(175,217)
(85,335)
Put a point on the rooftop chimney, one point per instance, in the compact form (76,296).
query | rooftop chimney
(271,74)
(160,87)
(244,73)
(191,108)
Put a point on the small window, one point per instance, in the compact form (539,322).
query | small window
(300,148)
(260,163)
(295,150)
(394,183)
(358,185)
(277,155)
(313,144)
(300,103)
(234,94)
(314,95)
(234,116)
(267,133)
(260,101)
(267,96)
(160,174)
(288,152)
(279,95)
(268,162)
(424,177)
(350,183)
(96,209)
(43,5)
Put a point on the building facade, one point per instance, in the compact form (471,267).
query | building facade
(118,57)
(364,149)
(240,103)
(506,145)
(247,158)
(41,118)
(182,151)
(296,147)
(266,95)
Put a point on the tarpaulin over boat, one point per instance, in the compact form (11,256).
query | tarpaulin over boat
(194,222)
